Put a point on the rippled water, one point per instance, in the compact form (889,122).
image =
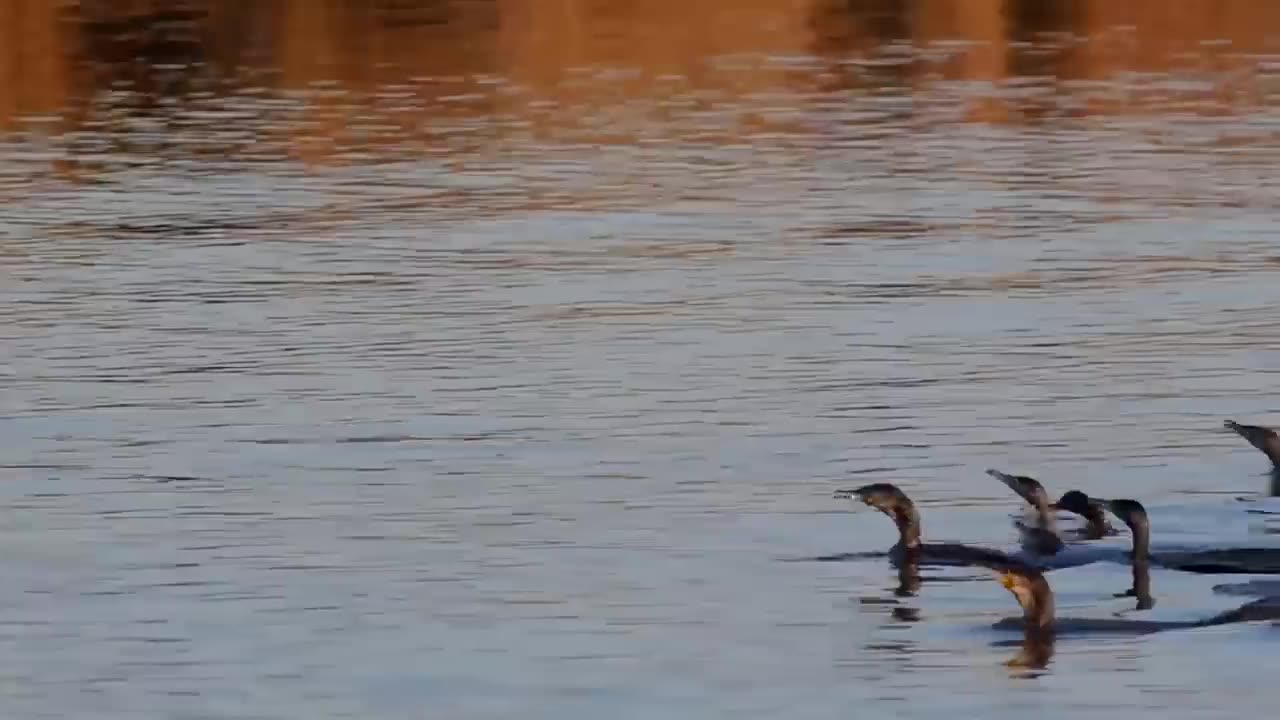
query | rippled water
(500,376)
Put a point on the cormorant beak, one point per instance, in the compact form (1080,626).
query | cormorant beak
(1013,484)
(844,494)
(1002,477)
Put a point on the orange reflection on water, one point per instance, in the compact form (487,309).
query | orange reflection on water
(404,72)
(34,67)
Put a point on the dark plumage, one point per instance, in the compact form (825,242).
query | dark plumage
(1072,501)
(910,548)
(1035,597)
(1043,538)
(1213,561)
(1078,503)
(1263,438)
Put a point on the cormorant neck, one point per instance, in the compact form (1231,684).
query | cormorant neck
(1271,448)
(908,521)
(1141,540)
(1043,513)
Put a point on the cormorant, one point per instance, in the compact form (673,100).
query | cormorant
(1042,538)
(1072,501)
(1263,438)
(1210,561)
(1035,597)
(1266,440)
(1076,502)
(910,548)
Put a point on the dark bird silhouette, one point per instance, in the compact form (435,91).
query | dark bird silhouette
(1215,561)
(1096,525)
(1041,538)
(910,548)
(1072,501)
(1266,440)
(1040,626)
(1263,438)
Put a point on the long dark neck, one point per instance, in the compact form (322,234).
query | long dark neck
(1043,514)
(1141,540)
(908,521)
(1270,446)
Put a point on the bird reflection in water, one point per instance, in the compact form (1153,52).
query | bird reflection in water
(908,575)
(1141,587)
(1035,653)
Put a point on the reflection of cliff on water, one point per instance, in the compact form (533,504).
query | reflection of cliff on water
(319,79)
(1203,57)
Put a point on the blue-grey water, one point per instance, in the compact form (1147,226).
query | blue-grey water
(507,387)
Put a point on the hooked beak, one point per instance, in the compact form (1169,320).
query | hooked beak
(845,494)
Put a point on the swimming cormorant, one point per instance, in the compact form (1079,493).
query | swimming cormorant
(1211,561)
(1266,440)
(910,548)
(1035,597)
(1072,501)
(1076,502)
(1043,537)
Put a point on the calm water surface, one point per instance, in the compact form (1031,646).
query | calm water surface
(445,360)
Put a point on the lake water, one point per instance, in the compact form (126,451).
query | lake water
(454,360)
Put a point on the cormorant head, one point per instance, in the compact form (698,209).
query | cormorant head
(884,497)
(1130,512)
(1263,438)
(891,501)
(1074,501)
(1028,488)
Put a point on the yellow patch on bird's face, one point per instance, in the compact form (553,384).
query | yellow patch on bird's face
(1006,579)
